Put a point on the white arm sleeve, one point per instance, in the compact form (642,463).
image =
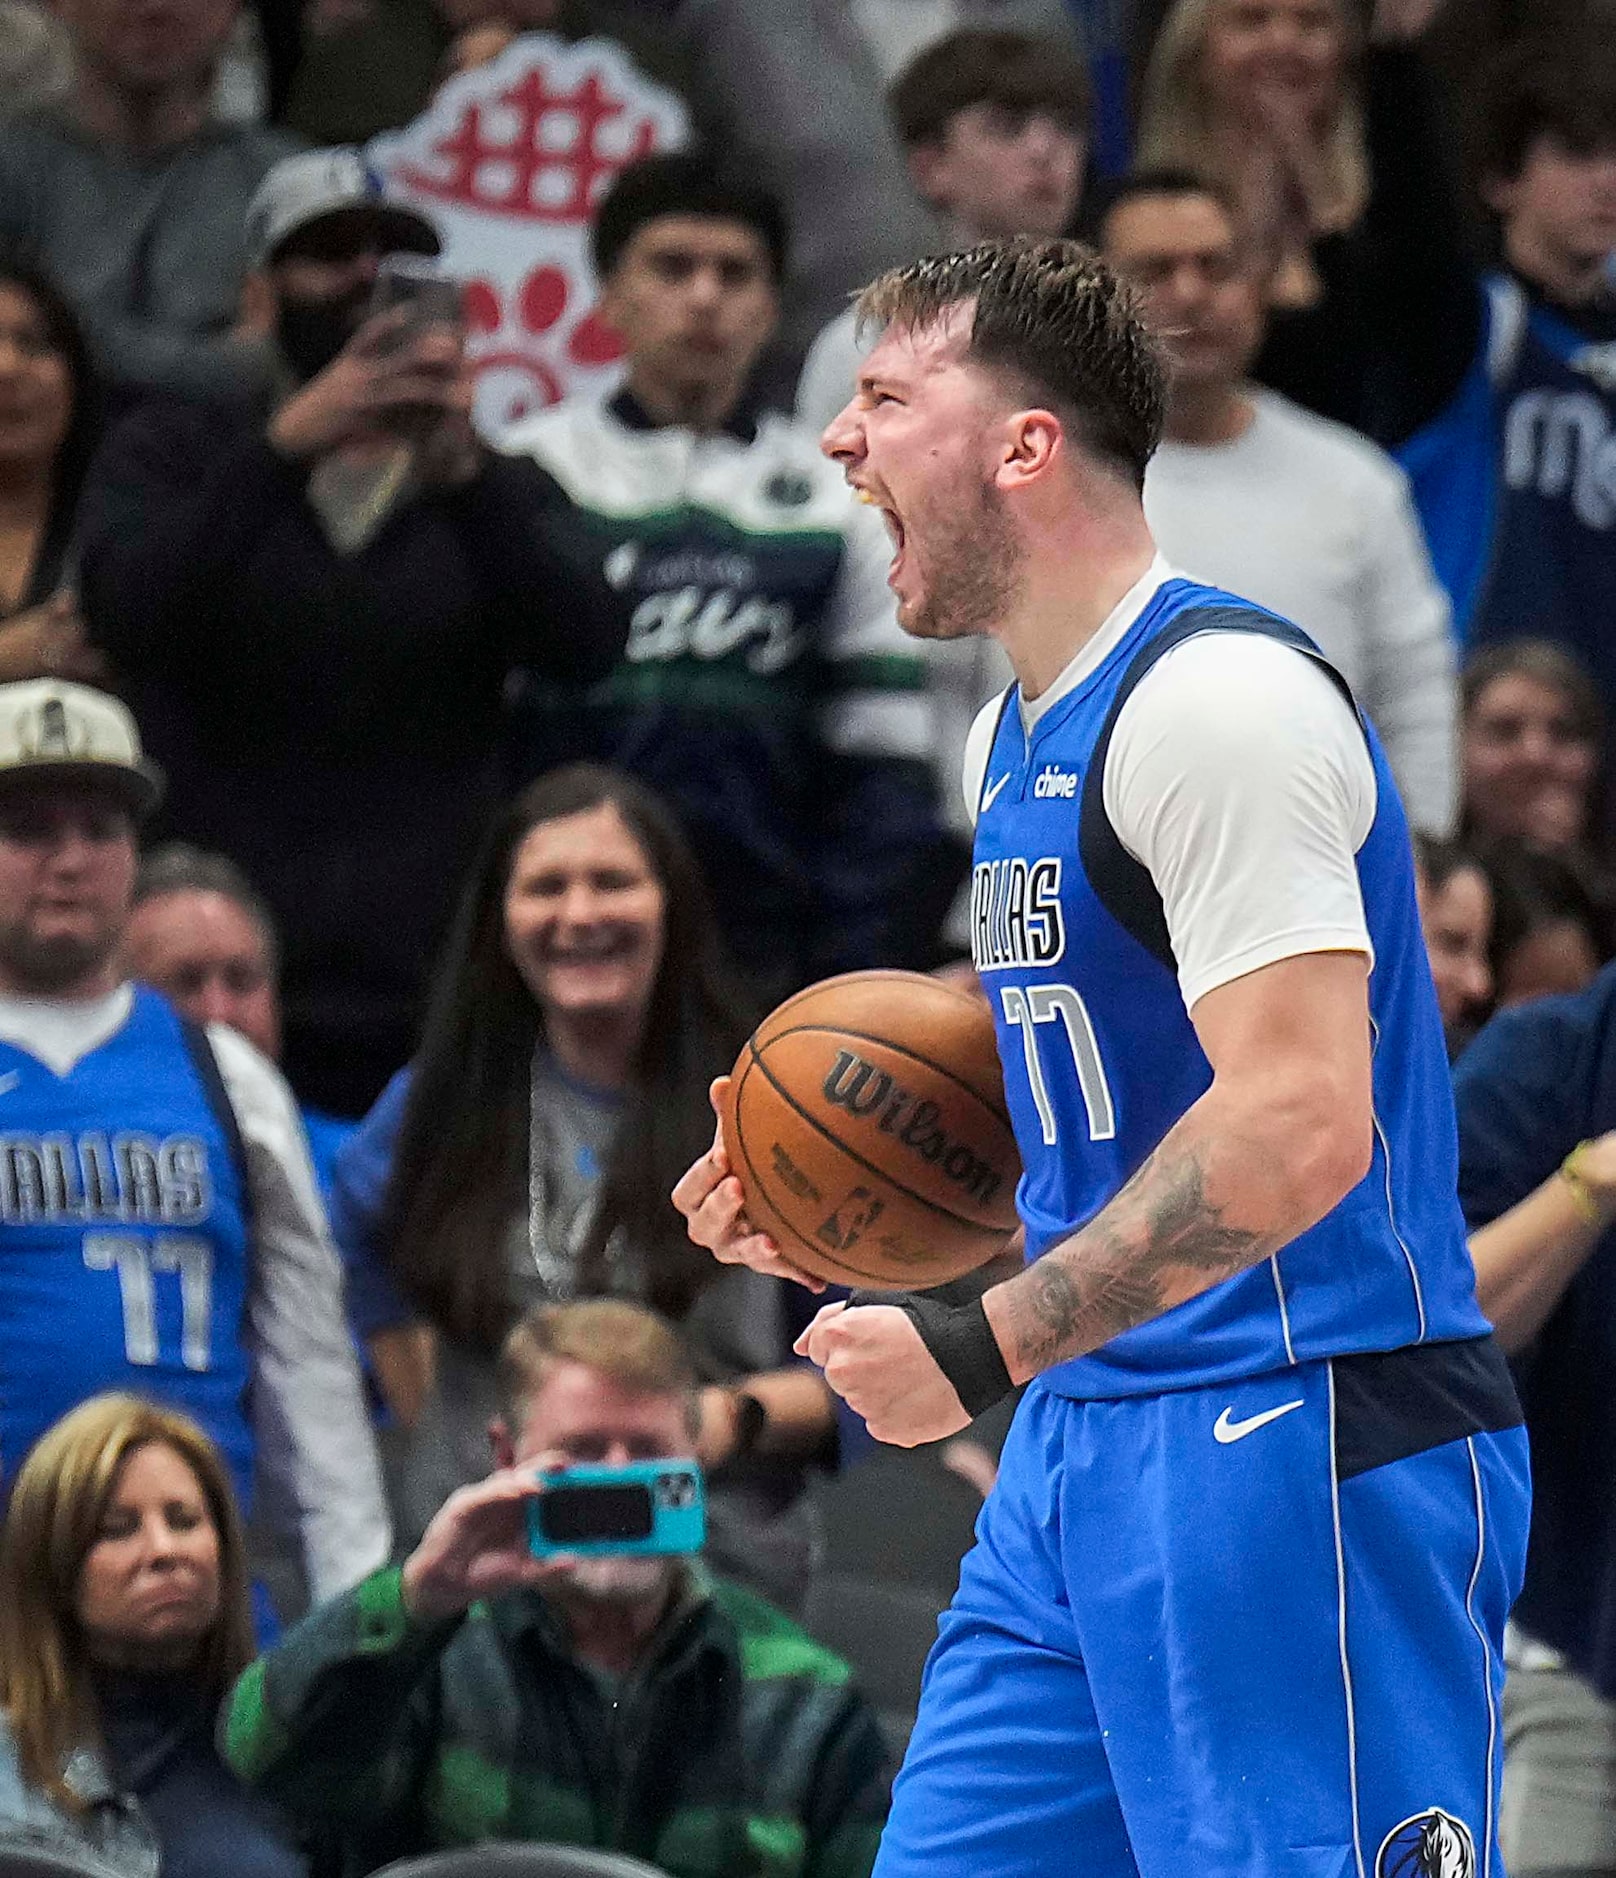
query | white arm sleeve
(1239,778)
(316,1452)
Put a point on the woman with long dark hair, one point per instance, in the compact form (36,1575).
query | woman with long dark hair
(49,418)
(529,1151)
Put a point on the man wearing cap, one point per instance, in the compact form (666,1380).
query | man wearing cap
(131,195)
(313,610)
(159,1229)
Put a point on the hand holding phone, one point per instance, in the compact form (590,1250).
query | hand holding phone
(426,295)
(642,1509)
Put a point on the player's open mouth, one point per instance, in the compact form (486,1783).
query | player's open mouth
(895,528)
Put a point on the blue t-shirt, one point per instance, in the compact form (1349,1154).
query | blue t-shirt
(1101,1059)
(123,1237)
(1535,1082)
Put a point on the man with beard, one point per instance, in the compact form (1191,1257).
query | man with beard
(1237,1601)
(159,1227)
(628,1702)
(314,609)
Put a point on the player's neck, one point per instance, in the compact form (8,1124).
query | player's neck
(1206,415)
(1069,589)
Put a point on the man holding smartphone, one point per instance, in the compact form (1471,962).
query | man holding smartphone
(626,1700)
(313,608)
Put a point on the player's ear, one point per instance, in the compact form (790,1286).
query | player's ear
(1032,443)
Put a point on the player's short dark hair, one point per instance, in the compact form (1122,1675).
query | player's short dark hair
(1168,180)
(1054,317)
(1019,72)
(1532,90)
(684,182)
(178,867)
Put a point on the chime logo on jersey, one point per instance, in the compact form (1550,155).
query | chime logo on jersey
(1016,913)
(1432,1844)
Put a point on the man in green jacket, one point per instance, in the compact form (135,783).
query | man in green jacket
(633,1703)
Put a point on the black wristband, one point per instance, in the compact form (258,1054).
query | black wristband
(960,1341)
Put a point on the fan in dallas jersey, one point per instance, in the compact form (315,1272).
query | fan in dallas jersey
(159,1226)
(1237,1602)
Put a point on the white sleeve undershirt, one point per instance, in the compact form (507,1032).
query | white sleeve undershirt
(1238,777)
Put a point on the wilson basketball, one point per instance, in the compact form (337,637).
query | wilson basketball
(866,1122)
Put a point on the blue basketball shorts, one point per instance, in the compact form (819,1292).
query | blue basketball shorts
(1247,1631)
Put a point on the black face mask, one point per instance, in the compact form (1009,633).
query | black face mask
(310,333)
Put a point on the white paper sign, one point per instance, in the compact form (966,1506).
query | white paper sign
(510,161)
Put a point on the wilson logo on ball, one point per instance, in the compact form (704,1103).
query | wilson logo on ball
(866,1091)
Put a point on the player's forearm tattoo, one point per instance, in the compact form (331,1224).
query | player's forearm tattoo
(1160,1241)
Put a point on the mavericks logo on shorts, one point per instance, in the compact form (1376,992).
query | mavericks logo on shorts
(1432,1844)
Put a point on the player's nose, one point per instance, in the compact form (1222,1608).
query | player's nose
(843,437)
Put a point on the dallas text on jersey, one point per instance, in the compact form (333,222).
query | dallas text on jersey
(1016,913)
(101,1177)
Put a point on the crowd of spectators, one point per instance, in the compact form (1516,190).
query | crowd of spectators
(330,1213)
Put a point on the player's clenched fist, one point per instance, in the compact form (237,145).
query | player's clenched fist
(714,1206)
(873,1357)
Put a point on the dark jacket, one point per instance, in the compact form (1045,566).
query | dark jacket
(737,1750)
(330,721)
(1392,334)
(1536,1081)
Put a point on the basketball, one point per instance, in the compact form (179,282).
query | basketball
(866,1123)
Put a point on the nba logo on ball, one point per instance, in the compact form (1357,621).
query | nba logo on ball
(1432,1844)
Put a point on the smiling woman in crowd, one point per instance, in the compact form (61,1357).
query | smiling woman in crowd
(1532,747)
(528,1153)
(48,426)
(123,1621)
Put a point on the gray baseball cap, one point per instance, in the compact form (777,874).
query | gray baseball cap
(314,184)
(51,728)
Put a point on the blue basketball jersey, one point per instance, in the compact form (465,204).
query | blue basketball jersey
(1100,1058)
(123,1238)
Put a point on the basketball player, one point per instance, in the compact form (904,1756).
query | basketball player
(1236,1606)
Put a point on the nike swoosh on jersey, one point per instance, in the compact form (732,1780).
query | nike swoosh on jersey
(1226,1431)
(990,795)
(9,1081)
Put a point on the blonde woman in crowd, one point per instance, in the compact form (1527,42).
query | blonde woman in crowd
(1333,148)
(124,1618)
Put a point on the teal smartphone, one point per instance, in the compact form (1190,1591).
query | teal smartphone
(644,1509)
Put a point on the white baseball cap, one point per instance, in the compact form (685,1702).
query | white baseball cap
(316,183)
(51,728)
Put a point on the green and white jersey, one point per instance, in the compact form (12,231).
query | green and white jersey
(765,672)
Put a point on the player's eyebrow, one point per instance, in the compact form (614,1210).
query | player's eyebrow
(871,382)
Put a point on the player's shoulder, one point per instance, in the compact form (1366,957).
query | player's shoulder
(1221,687)
(1347,458)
